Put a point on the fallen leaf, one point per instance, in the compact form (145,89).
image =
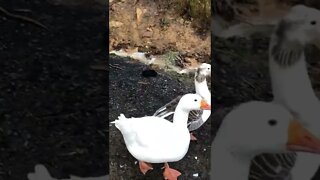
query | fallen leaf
(115,24)
(139,15)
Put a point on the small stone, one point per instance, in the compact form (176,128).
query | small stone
(181,21)
(147,34)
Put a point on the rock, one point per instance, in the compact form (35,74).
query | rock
(147,34)
(181,21)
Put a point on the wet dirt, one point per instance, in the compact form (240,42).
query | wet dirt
(53,105)
(136,96)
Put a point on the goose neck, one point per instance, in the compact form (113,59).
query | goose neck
(291,84)
(202,89)
(180,117)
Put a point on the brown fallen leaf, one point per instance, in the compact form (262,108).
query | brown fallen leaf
(115,24)
(138,15)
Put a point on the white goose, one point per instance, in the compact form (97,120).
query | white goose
(196,118)
(291,84)
(156,140)
(254,128)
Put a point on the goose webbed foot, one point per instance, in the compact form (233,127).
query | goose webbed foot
(192,137)
(144,167)
(169,173)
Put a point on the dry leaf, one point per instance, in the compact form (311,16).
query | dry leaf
(115,24)
(139,15)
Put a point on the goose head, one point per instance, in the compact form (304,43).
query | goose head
(301,25)
(298,28)
(259,127)
(189,102)
(202,72)
(205,69)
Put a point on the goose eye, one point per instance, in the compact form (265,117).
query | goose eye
(208,68)
(272,122)
(313,22)
(195,100)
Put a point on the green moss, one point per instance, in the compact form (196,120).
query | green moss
(170,58)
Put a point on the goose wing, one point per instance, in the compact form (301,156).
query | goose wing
(168,109)
(195,120)
(152,131)
(272,166)
(195,117)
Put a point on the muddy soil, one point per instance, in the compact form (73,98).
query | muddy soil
(241,74)
(53,104)
(136,96)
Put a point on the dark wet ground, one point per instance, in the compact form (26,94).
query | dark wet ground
(241,74)
(136,96)
(53,105)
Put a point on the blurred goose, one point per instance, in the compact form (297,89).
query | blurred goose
(292,88)
(196,118)
(254,128)
(156,140)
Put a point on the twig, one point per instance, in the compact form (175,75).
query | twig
(23,18)
(145,83)
(23,10)
(115,67)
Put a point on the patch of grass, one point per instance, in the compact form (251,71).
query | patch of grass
(170,58)
(198,10)
(164,22)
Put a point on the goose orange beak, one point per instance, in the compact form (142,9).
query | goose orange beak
(204,105)
(300,139)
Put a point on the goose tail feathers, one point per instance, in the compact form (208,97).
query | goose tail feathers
(120,118)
